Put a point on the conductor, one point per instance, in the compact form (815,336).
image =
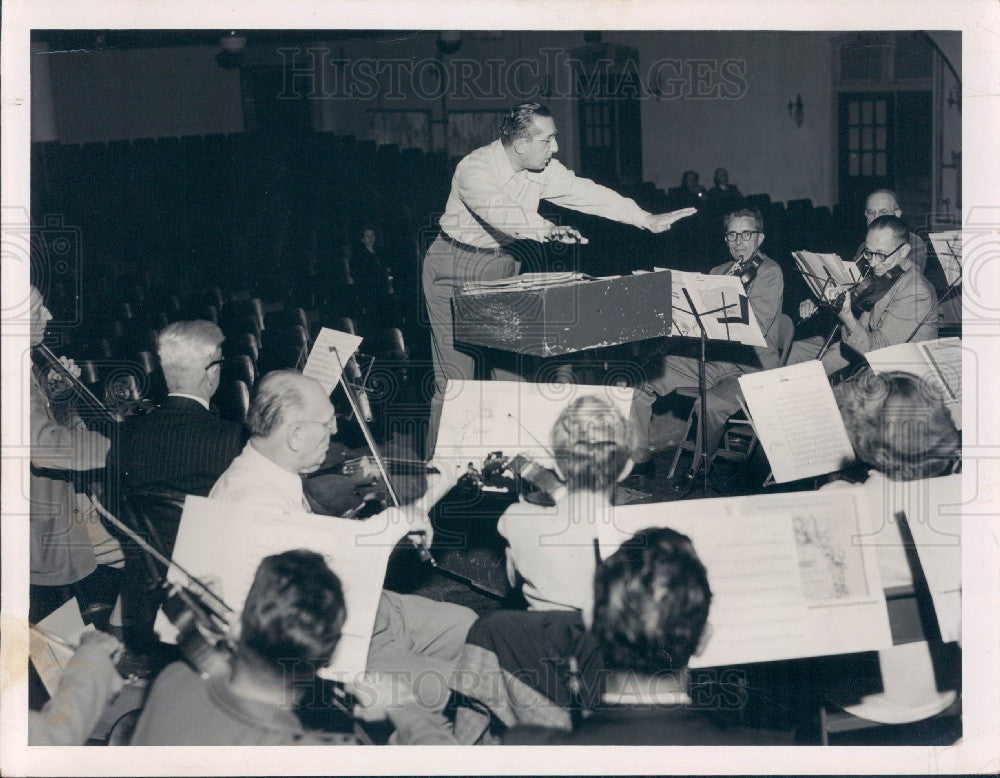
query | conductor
(493,202)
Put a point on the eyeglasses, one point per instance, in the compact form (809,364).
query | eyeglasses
(740,237)
(550,139)
(220,362)
(878,256)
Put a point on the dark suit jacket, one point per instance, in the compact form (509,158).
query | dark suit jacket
(178,447)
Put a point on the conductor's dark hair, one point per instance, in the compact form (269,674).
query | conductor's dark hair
(294,611)
(893,223)
(517,123)
(651,601)
(749,213)
(898,424)
(590,444)
(278,392)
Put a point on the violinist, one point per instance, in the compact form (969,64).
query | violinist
(891,305)
(290,421)
(289,628)
(764,286)
(68,540)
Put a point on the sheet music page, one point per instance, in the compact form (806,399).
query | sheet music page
(788,579)
(948,247)
(797,421)
(710,293)
(480,417)
(937,361)
(48,655)
(933,509)
(331,350)
(224,544)
(819,270)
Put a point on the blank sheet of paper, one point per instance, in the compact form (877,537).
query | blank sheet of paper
(224,543)
(787,578)
(515,417)
(797,420)
(48,655)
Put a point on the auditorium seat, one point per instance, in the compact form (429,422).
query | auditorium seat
(240,367)
(233,401)
(242,343)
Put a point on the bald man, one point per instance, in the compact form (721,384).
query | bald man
(290,421)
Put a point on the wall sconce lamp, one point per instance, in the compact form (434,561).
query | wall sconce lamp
(796,110)
(449,41)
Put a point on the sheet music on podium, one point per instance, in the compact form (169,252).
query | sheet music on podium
(480,417)
(797,420)
(731,319)
(331,350)
(788,579)
(939,362)
(223,544)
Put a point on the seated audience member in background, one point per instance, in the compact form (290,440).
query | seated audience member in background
(551,549)
(179,448)
(87,683)
(291,621)
(290,421)
(906,311)
(723,194)
(744,235)
(900,428)
(690,193)
(651,605)
(68,540)
(371,274)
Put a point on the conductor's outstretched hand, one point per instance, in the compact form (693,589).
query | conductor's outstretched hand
(664,221)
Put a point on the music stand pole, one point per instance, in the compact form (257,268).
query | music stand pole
(702,392)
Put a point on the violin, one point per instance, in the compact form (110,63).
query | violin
(746,270)
(869,290)
(519,474)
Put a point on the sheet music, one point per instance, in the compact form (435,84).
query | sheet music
(937,361)
(787,578)
(797,421)
(524,282)
(331,350)
(821,270)
(709,292)
(225,543)
(948,247)
(480,417)
(48,655)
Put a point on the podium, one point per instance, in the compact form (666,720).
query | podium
(555,316)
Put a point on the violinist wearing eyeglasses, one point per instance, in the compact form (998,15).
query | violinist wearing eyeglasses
(764,284)
(892,305)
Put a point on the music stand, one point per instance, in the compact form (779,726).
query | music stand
(702,380)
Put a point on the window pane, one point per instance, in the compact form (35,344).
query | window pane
(866,112)
(866,164)
(880,111)
(880,163)
(880,138)
(866,138)
(854,163)
(852,112)
(853,138)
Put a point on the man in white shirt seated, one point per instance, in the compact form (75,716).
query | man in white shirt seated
(290,421)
